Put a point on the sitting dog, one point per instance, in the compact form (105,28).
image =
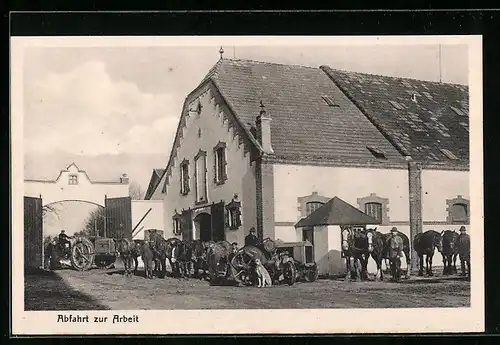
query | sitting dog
(263,277)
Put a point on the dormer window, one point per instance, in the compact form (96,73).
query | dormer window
(377,153)
(396,105)
(73,179)
(449,154)
(329,100)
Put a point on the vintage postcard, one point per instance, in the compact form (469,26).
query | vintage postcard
(230,185)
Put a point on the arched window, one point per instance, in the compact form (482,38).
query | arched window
(313,206)
(374,210)
(376,207)
(177,223)
(459,213)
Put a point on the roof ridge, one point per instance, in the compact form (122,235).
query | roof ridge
(394,77)
(269,63)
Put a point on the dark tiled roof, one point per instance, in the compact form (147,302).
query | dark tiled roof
(439,119)
(303,125)
(336,212)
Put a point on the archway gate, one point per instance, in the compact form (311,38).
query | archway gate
(118,224)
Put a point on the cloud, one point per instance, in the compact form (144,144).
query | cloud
(84,111)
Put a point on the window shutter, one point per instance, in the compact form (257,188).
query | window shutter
(187,225)
(218,221)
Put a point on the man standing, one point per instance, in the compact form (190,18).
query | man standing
(464,251)
(64,240)
(251,239)
(395,253)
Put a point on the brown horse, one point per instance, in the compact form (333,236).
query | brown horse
(147,257)
(125,249)
(218,260)
(376,248)
(356,252)
(162,250)
(450,251)
(425,244)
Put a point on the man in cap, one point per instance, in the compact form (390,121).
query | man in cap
(395,253)
(464,250)
(251,239)
(64,240)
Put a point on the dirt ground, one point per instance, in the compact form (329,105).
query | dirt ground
(109,289)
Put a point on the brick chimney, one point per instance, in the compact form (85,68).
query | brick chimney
(124,179)
(263,126)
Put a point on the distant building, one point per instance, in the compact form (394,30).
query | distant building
(153,183)
(397,149)
(74,184)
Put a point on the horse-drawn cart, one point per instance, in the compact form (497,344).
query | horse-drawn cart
(83,252)
(281,266)
(302,254)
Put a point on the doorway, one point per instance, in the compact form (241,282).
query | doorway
(308,234)
(203,226)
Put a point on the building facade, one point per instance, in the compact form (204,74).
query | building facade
(74,184)
(264,145)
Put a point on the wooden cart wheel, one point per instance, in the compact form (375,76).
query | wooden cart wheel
(240,265)
(289,272)
(82,254)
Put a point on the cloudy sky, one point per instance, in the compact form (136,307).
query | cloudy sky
(86,103)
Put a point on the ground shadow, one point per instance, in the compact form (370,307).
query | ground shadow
(46,290)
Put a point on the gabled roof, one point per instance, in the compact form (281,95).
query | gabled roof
(433,127)
(153,182)
(336,212)
(303,125)
(159,172)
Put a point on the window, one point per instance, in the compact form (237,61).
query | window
(200,162)
(233,214)
(184,177)
(328,100)
(73,179)
(313,206)
(374,210)
(177,223)
(377,153)
(376,207)
(220,163)
(458,210)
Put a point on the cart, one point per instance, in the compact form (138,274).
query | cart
(302,253)
(281,266)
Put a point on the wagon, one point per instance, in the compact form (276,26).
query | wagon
(281,266)
(302,253)
(86,251)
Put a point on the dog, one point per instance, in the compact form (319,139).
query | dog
(263,277)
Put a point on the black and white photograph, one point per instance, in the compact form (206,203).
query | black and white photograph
(292,184)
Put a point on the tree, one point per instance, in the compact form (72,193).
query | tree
(135,191)
(94,224)
(48,210)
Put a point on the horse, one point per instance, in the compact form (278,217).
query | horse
(218,260)
(125,249)
(425,244)
(463,245)
(406,251)
(450,251)
(394,249)
(162,250)
(356,253)
(376,248)
(200,258)
(147,257)
(185,257)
